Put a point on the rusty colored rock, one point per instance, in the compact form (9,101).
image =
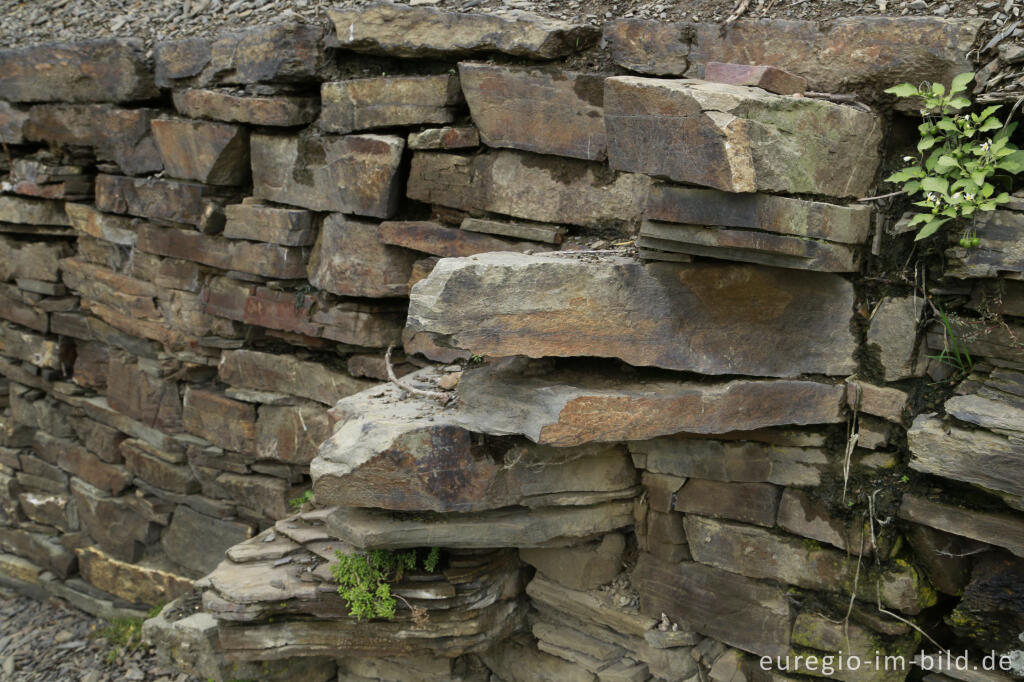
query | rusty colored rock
(12,123)
(448,137)
(754,503)
(159,199)
(707,318)
(350,259)
(350,174)
(110,70)
(286,373)
(537,111)
(739,139)
(212,153)
(768,78)
(227,423)
(387,101)
(136,584)
(446,242)
(108,227)
(257,222)
(144,397)
(282,111)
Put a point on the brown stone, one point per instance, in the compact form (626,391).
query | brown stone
(1002,530)
(892,335)
(12,123)
(159,199)
(119,135)
(801,514)
(830,56)
(258,306)
(32,211)
(78,461)
(34,260)
(537,111)
(881,401)
(279,52)
(403,31)
(550,234)
(291,434)
(748,502)
(388,101)
(136,584)
(448,137)
(39,548)
(257,222)
(739,139)
(284,110)
(446,242)
(266,495)
(142,396)
(287,374)
(179,540)
(606,308)
(267,260)
(528,186)
(213,153)
(40,351)
(944,558)
(768,78)
(227,423)
(112,228)
(112,523)
(350,174)
(176,478)
(350,259)
(709,600)
(585,567)
(50,509)
(110,70)
(14,310)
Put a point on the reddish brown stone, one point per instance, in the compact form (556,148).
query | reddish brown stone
(16,311)
(254,221)
(767,78)
(446,242)
(748,502)
(388,101)
(448,137)
(286,373)
(136,584)
(350,260)
(222,421)
(262,111)
(213,153)
(881,401)
(78,461)
(91,365)
(144,397)
(259,306)
(177,478)
(168,200)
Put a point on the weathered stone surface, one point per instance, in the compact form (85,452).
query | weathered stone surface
(991,613)
(998,342)
(759,553)
(33,260)
(614,307)
(143,396)
(446,242)
(448,137)
(976,456)
(801,514)
(42,549)
(257,222)
(177,478)
(403,31)
(112,523)
(744,613)
(528,186)
(748,502)
(291,434)
(31,211)
(179,540)
(76,460)
(214,153)
(349,259)
(14,310)
(537,111)
(136,584)
(110,70)
(12,123)
(387,101)
(881,401)
(283,111)
(266,495)
(585,567)
(267,260)
(50,509)
(768,78)
(222,421)
(944,558)
(39,177)
(280,52)
(892,334)
(350,174)
(739,139)
(112,228)
(546,527)
(826,55)
(119,135)
(781,215)
(550,234)
(287,373)
(168,200)
(1002,530)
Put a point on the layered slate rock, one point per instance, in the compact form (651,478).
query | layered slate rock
(119,135)
(1000,252)
(283,110)
(110,70)
(1000,529)
(350,174)
(826,55)
(387,101)
(523,185)
(892,334)
(446,242)
(739,139)
(213,153)
(660,314)
(159,199)
(448,137)
(768,78)
(268,260)
(12,123)
(287,374)
(349,259)
(403,31)
(287,52)
(132,583)
(536,110)
(254,221)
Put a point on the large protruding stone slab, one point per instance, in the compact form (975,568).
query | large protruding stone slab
(349,259)
(387,101)
(529,186)
(850,53)
(739,139)
(538,111)
(707,318)
(214,153)
(1002,530)
(404,31)
(110,70)
(351,174)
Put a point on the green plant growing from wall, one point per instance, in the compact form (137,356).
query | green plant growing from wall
(365,579)
(962,158)
(297,502)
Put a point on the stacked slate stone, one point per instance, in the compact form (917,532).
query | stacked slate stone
(635,464)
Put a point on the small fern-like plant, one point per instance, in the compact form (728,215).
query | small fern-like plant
(961,158)
(365,579)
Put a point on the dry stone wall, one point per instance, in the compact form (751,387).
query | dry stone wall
(648,399)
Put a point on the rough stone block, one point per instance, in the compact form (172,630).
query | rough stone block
(448,137)
(108,227)
(748,502)
(32,211)
(388,101)
(12,123)
(199,558)
(350,174)
(350,259)
(289,374)
(881,401)
(1002,530)
(892,334)
(768,78)
(143,396)
(291,434)
(136,584)
(537,111)
(227,423)
(159,199)
(446,242)
(739,139)
(257,222)
(158,472)
(585,567)
(213,153)
(801,514)
(112,523)
(283,111)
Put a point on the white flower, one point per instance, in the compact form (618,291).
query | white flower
(969,197)
(985,145)
(908,159)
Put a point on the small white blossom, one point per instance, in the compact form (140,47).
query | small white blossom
(969,197)
(908,159)
(985,145)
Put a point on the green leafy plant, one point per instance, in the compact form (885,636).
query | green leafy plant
(365,579)
(124,635)
(297,502)
(955,353)
(962,157)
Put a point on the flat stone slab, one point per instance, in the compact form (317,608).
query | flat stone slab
(388,101)
(739,139)
(1002,530)
(707,318)
(768,78)
(267,260)
(404,31)
(284,110)
(286,373)
(446,242)
(212,153)
(110,70)
(350,258)
(1000,253)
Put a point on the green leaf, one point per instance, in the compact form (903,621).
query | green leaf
(1013,163)
(989,124)
(903,90)
(946,162)
(959,103)
(931,228)
(930,162)
(960,83)
(912,187)
(938,89)
(926,143)
(978,178)
(933,184)
(1001,198)
(988,111)
(986,190)
(946,124)
(909,173)
(920,218)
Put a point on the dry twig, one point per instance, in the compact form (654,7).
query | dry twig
(443,397)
